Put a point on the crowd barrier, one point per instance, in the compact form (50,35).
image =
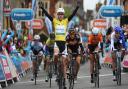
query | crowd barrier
(13,67)
(107,61)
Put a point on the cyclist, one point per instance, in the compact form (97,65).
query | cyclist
(37,49)
(117,42)
(73,44)
(94,40)
(49,49)
(60,25)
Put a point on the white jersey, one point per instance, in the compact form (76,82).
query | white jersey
(114,40)
(37,47)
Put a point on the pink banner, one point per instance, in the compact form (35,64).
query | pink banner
(6,69)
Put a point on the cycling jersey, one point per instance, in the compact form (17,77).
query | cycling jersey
(50,43)
(60,26)
(74,47)
(76,38)
(60,29)
(36,47)
(116,42)
(94,39)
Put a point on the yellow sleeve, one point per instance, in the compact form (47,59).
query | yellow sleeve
(48,40)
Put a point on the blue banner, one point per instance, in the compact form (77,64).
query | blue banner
(111,11)
(34,6)
(48,24)
(18,14)
(110,2)
(17,64)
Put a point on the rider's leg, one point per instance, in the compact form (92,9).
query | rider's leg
(78,58)
(34,64)
(91,66)
(113,64)
(46,69)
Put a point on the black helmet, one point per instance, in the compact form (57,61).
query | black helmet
(71,31)
(52,35)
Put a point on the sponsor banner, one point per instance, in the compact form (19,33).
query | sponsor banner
(125,61)
(22,14)
(6,69)
(2,76)
(111,11)
(10,64)
(36,24)
(100,23)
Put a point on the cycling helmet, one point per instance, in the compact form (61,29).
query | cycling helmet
(71,31)
(60,10)
(36,37)
(95,31)
(117,29)
(52,35)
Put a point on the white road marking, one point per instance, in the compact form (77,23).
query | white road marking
(79,77)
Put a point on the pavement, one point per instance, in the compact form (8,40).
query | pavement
(82,83)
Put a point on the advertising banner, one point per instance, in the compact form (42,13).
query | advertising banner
(1,14)
(36,24)
(2,76)
(100,23)
(11,65)
(22,14)
(6,69)
(111,11)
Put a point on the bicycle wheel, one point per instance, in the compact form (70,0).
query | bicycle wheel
(71,76)
(36,70)
(50,74)
(118,72)
(35,76)
(59,75)
(96,75)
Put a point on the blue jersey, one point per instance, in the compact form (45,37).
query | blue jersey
(120,39)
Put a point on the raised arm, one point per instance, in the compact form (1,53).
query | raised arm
(46,13)
(74,12)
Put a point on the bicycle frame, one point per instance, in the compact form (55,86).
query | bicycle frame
(60,72)
(96,69)
(72,70)
(118,67)
(36,67)
(50,69)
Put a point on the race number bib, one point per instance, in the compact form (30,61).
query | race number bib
(60,30)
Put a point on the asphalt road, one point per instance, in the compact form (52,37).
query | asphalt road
(82,83)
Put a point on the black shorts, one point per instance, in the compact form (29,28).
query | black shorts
(49,51)
(61,45)
(74,48)
(117,45)
(92,47)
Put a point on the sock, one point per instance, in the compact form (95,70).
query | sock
(114,73)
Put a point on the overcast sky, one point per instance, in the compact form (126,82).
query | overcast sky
(90,4)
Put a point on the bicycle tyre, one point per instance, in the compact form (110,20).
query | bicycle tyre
(118,72)
(71,75)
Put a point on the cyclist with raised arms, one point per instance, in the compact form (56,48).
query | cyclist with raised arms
(60,27)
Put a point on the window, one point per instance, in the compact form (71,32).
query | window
(45,5)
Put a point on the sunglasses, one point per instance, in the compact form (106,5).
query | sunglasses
(60,14)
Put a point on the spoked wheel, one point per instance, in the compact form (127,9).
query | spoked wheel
(118,73)
(35,77)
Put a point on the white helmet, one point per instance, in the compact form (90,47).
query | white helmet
(95,31)
(36,37)
(60,10)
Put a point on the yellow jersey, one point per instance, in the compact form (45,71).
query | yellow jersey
(60,29)
(50,42)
